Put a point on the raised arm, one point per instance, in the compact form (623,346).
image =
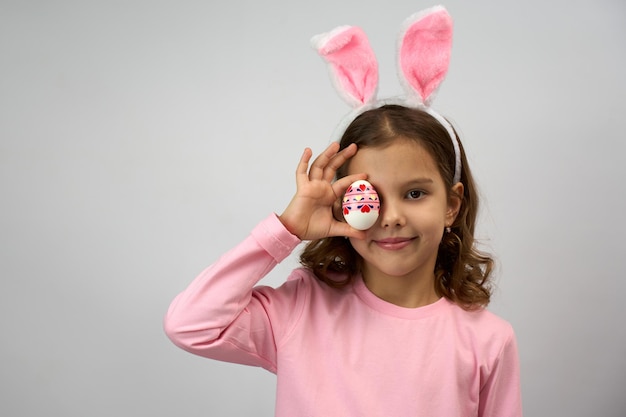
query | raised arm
(219,310)
(221,315)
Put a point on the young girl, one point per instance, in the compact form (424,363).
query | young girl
(388,321)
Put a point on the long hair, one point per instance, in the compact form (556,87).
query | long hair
(461,272)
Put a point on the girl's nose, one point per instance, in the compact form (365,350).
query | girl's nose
(391,215)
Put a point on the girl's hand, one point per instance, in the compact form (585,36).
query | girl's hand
(309,215)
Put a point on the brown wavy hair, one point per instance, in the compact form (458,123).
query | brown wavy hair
(462,272)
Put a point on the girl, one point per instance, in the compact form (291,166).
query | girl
(388,321)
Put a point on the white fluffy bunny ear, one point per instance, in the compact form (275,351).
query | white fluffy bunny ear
(353,65)
(425,46)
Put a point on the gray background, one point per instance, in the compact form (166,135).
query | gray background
(141,139)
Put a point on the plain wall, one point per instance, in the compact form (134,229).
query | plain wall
(141,139)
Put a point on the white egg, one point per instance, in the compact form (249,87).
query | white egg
(361,205)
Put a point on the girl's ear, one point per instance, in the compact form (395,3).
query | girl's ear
(353,65)
(454,202)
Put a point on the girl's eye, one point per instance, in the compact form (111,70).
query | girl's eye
(415,194)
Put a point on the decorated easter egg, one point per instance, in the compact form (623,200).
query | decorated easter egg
(360,205)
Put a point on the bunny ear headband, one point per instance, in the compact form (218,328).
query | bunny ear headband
(424,48)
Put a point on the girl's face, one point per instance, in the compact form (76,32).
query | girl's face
(415,209)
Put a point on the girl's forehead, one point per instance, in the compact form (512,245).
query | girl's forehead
(401,158)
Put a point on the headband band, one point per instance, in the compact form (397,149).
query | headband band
(424,48)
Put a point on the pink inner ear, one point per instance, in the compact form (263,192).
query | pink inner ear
(425,52)
(354,65)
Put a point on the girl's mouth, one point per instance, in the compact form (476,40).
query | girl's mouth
(394,243)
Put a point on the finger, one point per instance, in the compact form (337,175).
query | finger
(344,229)
(319,164)
(338,160)
(338,209)
(341,185)
(303,165)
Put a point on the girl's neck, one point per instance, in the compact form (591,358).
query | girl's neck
(401,291)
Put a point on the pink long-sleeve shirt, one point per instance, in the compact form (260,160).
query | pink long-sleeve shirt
(345,352)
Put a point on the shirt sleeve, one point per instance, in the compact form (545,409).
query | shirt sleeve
(500,396)
(221,315)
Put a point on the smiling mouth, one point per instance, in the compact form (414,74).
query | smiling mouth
(394,243)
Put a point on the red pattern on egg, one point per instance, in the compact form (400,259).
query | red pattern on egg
(361,205)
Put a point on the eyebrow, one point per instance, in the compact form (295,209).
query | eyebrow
(419,181)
